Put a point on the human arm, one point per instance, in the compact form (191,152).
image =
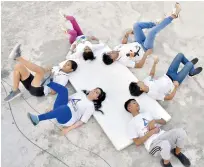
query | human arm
(126,36)
(151,124)
(172,94)
(140,64)
(140,140)
(74,126)
(152,72)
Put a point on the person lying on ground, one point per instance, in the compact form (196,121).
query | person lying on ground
(131,55)
(165,87)
(81,45)
(71,112)
(32,82)
(145,128)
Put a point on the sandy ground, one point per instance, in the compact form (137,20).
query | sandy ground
(36,26)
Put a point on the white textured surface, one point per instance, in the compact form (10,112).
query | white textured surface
(114,80)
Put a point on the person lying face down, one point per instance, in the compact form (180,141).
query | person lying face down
(71,112)
(165,87)
(81,45)
(137,58)
(32,82)
(145,128)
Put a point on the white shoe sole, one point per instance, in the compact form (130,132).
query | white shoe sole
(11,55)
(14,97)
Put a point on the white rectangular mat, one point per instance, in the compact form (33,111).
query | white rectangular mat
(114,80)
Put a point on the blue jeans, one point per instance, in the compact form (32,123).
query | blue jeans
(173,69)
(148,42)
(60,111)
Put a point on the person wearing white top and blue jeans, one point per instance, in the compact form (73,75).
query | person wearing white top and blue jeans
(165,87)
(145,128)
(147,42)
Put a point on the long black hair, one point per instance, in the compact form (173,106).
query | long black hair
(98,102)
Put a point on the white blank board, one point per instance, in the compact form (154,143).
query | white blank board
(114,80)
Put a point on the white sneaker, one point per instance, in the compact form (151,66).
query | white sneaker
(16,52)
(176,10)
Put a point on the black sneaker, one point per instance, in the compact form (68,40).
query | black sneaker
(183,159)
(194,61)
(196,71)
(165,165)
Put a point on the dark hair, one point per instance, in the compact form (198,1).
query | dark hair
(88,56)
(74,65)
(101,98)
(127,103)
(135,89)
(106,59)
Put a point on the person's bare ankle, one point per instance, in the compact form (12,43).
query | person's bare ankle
(166,161)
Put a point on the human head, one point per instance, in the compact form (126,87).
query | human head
(88,55)
(69,66)
(110,57)
(132,106)
(98,96)
(137,88)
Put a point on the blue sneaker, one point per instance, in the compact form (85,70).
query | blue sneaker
(34,119)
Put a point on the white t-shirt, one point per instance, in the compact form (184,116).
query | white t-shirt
(59,77)
(159,88)
(81,107)
(81,42)
(138,127)
(125,49)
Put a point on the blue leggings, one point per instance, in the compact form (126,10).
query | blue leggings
(148,42)
(61,111)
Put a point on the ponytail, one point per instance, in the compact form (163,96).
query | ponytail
(98,103)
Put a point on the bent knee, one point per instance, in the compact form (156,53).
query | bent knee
(19,66)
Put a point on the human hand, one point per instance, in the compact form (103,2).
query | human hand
(129,32)
(155,130)
(176,84)
(151,124)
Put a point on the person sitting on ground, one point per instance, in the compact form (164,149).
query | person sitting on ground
(32,83)
(71,112)
(131,55)
(165,87)
(144,128)
(80,44)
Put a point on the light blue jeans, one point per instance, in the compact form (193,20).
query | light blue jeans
(173,68)
(148,41)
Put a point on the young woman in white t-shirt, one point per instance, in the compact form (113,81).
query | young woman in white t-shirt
(80,44)
(71,112)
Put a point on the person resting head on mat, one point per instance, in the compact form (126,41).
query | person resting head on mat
(145,128)
(81,45)
(134,55)
(71,112)
(31,82)
(165,87)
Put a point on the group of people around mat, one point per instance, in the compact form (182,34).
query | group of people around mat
(72,112)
